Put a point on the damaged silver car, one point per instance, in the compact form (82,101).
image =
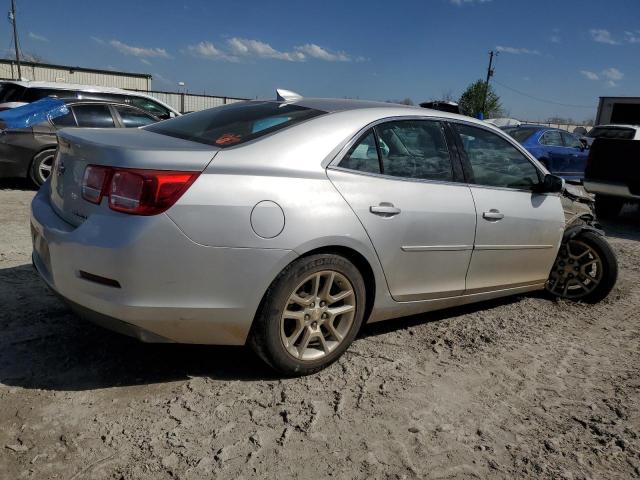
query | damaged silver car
(288,224)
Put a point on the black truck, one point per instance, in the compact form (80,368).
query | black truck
(613,174)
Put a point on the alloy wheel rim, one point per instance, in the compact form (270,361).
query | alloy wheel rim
(318,315)
(44,169)
(577,271)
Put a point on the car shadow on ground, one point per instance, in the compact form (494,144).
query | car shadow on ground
(45,346)
(625,226)
(17,184)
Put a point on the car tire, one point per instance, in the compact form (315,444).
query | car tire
(608,207)
(592,249)
(296,304)
(41,166)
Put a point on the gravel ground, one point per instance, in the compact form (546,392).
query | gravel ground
(523,387)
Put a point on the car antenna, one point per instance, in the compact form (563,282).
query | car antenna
(283,95)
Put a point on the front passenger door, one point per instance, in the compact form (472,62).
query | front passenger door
(518,231)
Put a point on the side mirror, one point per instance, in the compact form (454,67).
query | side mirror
(551,184)
(585,144)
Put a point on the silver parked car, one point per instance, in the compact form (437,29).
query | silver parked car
(287,224)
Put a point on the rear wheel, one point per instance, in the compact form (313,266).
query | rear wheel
(586,269)
(608,207)
(310,314)
(41,166)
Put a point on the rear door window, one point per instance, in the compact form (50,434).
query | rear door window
(552,138)
(67,120)
(363,156)
(93,116)
(154,108)
(133,118)
(235,124)
(414,149)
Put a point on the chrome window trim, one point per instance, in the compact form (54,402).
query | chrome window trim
(334,163)
(401,179)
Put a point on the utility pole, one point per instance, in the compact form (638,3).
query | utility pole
(486,84)
(12,18)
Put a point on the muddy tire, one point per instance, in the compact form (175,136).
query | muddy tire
(310,315)
(585,270)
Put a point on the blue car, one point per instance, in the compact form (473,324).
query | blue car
(563,153)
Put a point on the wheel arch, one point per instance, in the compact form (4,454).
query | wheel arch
(371,272)
(45,148)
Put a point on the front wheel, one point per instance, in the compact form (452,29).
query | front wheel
(585,270)
(310,314)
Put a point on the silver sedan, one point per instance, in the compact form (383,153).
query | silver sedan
(288,224)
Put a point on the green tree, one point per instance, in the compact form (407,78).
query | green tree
(471,101)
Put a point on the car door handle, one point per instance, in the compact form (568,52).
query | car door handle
(385,209)
(493,214)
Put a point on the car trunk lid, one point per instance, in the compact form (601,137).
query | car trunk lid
(121,148)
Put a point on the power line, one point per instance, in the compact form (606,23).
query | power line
(542,99)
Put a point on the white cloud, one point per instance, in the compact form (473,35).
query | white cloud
(238,48)
(632,37)
(255,48)
(610,75)
(314,51)
(145,61)
(517,51)
(590,75)
(601,35)
(40,38)
(613,74)
(98,40)
(209,51)
(138,51)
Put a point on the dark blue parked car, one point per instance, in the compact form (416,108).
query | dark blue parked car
(563,153)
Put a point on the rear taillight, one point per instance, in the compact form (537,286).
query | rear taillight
(136,191)
(94,182)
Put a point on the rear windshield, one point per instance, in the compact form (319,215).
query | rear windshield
(612,132)
(521,134)
(234,124)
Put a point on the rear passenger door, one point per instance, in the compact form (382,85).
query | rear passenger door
(518,231)
(406,188)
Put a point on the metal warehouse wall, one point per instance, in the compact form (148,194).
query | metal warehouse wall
(59,73)
(182,102)
(187,102)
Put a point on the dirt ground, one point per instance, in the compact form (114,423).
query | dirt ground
(524,387)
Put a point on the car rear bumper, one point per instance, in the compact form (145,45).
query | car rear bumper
(143,277)
(611,189)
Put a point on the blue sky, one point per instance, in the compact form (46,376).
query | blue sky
(565,51)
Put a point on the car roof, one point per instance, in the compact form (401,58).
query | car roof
(68,86)
(85,88)
(334,105)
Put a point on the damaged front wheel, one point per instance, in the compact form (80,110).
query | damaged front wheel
(585,270)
